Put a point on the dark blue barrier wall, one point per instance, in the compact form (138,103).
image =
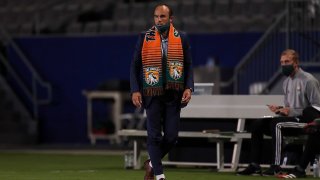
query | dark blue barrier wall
(74,64)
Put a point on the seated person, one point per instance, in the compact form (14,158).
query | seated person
(301,90)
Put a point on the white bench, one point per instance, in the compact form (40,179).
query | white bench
(139,136)
(238,107)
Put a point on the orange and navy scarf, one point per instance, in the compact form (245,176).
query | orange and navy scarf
(153,84)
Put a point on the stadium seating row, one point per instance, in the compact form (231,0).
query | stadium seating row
(107,16)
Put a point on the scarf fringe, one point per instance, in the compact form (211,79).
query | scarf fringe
(157,91)
(175,86)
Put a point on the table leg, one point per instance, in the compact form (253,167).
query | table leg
(220,155)
(237,145)
(137,154)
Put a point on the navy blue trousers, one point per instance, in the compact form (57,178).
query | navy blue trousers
(163,114)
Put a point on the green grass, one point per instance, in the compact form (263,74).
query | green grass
(46,166)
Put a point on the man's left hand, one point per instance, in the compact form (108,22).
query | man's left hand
(283,111)
(186,96)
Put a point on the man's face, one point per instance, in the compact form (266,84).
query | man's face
(161,15)
(287,60)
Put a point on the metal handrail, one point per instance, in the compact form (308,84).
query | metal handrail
(15,76)
(284,21)
(315,57)
(246,58)
(36,78)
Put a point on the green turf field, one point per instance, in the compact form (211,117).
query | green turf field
(46,166)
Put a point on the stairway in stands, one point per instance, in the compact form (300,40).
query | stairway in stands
(17,127)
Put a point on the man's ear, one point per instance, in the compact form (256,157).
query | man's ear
(171,19)
(296,65)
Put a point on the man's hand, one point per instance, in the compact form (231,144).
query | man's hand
(186,96)
(283,111)
(274,108)
(137,99)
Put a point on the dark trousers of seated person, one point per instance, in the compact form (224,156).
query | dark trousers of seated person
(312,145)
(267,126)
(312,148)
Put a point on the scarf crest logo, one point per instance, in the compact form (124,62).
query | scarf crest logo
(152,75)
(175,69)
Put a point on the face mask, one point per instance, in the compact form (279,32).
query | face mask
(287,70)
(163,28)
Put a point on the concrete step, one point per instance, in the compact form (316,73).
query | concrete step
(2,94)
(10,126)
(9,115)
(17,138)
(6,105)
